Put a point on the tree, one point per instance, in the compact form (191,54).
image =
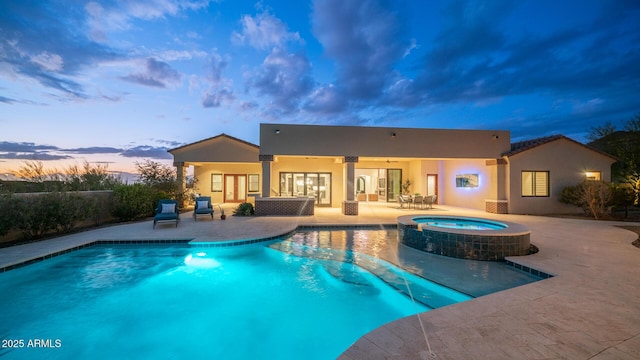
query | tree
(39,178)
(624,145)
(153,173)
(160,177)
(90,177)
(599,132)
(32,170)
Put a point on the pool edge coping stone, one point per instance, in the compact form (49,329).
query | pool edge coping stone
(231,243)
(190,241)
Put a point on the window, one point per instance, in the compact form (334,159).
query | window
(254,182)
(535,183)
(592,175)
(216,182)
(316,185)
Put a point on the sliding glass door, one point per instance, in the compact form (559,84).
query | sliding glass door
(316,185)
(394,184)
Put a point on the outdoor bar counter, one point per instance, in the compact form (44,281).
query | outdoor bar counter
(289,206)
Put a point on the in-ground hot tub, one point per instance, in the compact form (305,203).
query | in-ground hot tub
(464,237)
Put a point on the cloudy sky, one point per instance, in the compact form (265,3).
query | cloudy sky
(121,81)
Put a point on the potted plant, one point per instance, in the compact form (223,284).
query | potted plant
(406,187)
(222,215)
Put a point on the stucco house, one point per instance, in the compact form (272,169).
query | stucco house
(340,166)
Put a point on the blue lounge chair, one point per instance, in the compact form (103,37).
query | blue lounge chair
(167,210)
(203,207)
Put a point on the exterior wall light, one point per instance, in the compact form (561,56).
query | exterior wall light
(277,131)
(393,134)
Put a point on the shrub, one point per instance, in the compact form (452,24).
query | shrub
(73,208)
(244,209)
(36,216)
(8,213)
(622,197)
(597,196)
(594,197)
(133,201)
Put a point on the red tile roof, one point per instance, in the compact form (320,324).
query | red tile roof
(525,145)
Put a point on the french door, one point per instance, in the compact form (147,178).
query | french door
(235,188)
(432,184)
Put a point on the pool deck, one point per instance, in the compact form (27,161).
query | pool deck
(589,310)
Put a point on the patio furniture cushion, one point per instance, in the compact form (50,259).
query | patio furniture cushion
(167,210)
(202,204)
(203,207)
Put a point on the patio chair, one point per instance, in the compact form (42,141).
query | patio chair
(417,200)
(430,200)
(167,210)
(403,200)
(203,207)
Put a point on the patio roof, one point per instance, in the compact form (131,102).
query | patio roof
(522,146)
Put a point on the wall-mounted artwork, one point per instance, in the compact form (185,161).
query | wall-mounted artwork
(467,180)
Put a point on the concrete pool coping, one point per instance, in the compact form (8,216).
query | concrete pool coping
(591,309)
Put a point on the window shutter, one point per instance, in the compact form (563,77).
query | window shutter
(542,183)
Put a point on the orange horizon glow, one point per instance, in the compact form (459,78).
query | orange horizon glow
(11,166)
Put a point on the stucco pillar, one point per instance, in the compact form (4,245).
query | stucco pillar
(349,205)
(180,172)
(266,174)
(497,202)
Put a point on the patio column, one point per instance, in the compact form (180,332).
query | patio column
(180,171)
(497,202)
(349,205)
(266,174)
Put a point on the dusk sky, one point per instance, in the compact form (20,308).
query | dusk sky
(116,82)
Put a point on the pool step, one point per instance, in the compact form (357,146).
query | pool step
(427,293)
(351,275)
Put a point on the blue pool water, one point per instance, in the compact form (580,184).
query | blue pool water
(309,296)
(460,223)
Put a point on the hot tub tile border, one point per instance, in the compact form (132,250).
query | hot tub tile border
(530,270)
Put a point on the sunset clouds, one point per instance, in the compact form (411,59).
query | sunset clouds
(181,71)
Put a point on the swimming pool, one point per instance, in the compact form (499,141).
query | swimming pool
(314,293)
